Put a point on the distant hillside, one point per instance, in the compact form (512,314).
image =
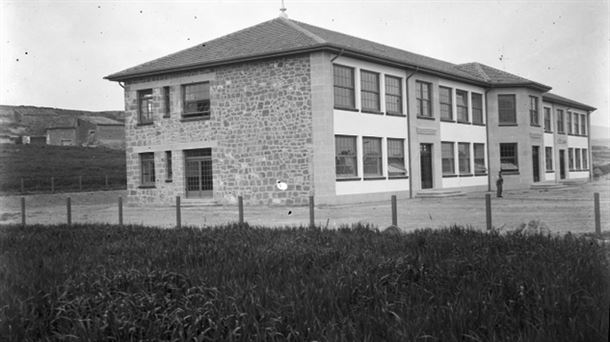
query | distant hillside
(600,136)
(33,121)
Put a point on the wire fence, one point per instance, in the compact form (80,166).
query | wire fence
(32,185)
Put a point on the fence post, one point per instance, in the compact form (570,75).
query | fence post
(240,205)
(69,210)
(312,222)
(178,218)
(22,186)
(598,225)
(394,211)
(23,211)
(120,211)
(488,210)
(80,183)
(52,184)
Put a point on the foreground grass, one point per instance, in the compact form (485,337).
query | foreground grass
(95,282)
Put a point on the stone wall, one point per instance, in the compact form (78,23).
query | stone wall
(259,130)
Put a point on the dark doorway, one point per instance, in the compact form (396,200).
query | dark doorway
(562,164)
(198,172)
(536,163)
(425,152)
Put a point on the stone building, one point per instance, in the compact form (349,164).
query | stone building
(86,131)
(337,117)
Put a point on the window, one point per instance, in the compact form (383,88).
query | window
(145,106)
(576,124)
(585,162)
(464,158)
(548,156)
(344,87)
(560,128)
(577,158)
(547,119)
(345,156)
(147,169)
(534,119)
(583,124)
(446,103)
(448,158)
(393,95)
(509,160)
(396,158)
(197,100)
(479,159)
(461,101)
(571,158)
(507,109)
(369,90)
(371,154)
(569,122)
(477,108)
(423,99)
(166,102)
(168,166)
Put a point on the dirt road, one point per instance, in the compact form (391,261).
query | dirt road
(563,210)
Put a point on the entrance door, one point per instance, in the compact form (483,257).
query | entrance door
(425,152)
(562,164)
(536,162)
(198,172)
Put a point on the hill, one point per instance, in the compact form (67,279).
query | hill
(16,121)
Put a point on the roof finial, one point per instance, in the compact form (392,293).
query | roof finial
(283,11)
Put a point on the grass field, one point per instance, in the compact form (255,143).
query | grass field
(93,282)
(37,164)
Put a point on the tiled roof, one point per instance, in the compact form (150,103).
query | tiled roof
(62,122)
(550,97)
(497,77)
(284,36)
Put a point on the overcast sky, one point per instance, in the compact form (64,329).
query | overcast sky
(55,53)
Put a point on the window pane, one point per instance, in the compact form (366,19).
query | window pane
(569,122)
(145,106)
(344,86)
(345,156)
(446,106)
(547,119)
(396,158)
(508,157)
(585,160)
(423,99)
(560,127)
(393,96)
(583,124)
(506,108)
(571,158)
(534,119)
(548,154)
(448,158)
(147,168)
(461,101)
(371,149)
(477,108)
(479,158)
(464,157)
(197,99)
(369,84)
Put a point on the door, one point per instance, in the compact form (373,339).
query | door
(562,164)
(536,163)
(425,152)
(198,173)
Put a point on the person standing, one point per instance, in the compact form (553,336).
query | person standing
(499,184)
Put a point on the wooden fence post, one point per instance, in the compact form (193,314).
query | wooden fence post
(22,186)
(394,211)
(80,183)
(488,210)
(240,205)
(120,211)
(312,222)
(598,225)
(52,184)
(23,211)
(178,217)
(69,210)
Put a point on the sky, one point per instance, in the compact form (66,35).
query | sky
(56,53)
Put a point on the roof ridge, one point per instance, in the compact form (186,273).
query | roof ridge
(308,33)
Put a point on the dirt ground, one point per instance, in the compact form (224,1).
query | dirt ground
(563,210)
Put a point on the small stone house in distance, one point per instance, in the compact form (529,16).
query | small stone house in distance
(338,117)
(86,131)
